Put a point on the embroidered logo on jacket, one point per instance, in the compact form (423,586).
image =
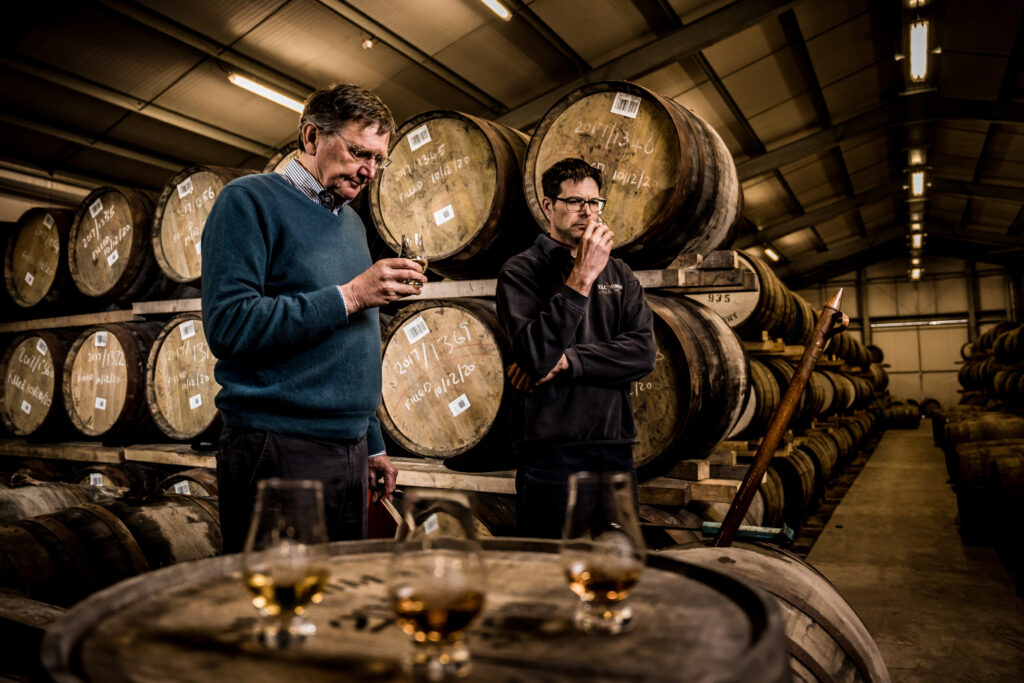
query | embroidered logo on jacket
(608,289)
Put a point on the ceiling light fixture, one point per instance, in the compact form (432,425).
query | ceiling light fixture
(498,9)
(263,91)
(916,156)
(915,261)
(916,240)
(770,253)
(919,50)
(916,227)
(917,183)
(367,41)
(915,273)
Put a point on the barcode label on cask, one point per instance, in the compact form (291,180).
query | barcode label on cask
(112,259)
(101,403)
(101,338)
(41,346)
(416,329)
(182,488)
(459,405)
(48,221)
(444,215)
(95,208)
(26,407)
(431,525)
(188,329)
(95,479)
(419,137)
(195,401)
(29,279)
(626,105)
(185,188)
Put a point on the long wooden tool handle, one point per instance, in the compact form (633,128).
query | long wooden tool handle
(831,321)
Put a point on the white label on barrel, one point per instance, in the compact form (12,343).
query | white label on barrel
(416,329)
(41,346)
(96,207)
(431,525)
(112,259)
(182,488)
(444,215)
(185,188)
(95,479)
(101,338)
(48,221)
(29,279)
(188,329)
(627,105)
(459,405)
(195,401)
(419,137)
(26,407)
(199,249)
(101,403)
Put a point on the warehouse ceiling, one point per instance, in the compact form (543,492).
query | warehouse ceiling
(820,115)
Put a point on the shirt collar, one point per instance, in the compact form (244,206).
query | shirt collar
(304,181)
(548,245)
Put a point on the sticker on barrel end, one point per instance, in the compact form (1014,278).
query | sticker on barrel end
(26,407)
(188,329)
(95,208)
(112,259)
(459,405)
(101,338)
(182,488)
(29,279)
(626,105)
(41,346)
(95,479)
(185,188)
(419,137)
(101,403)
(444,215)
(416,329)
(195,401)
(48,221)
(431,525)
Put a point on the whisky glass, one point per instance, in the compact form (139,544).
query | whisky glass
(602,550)
(285,564)
(412,249)
(436,583)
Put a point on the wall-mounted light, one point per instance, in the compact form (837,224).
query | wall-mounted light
(263,91)
(915,273)
(917,240)
(498,9)
(919,50)
(770,253)
(917,183)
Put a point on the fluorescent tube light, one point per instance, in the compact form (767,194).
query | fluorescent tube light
(916,240)
(498,9)
(915,273)
(917,183)
(918,50)
(770,253)
(263,91)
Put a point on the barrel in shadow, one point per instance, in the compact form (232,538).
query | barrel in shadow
(132,480)
(825,639)
(762,402)
(976,501)
(196,481)
(32,401)
(32,498)
(1006,486)
(456,179)
(62,557)
(669,179)
(36,270)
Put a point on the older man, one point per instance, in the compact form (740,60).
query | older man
(290,299)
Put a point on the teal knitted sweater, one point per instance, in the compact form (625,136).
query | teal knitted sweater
(289,357)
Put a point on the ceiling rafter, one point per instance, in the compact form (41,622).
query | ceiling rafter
(830,261)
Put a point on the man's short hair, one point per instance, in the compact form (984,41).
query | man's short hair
(572,169)
(333,106)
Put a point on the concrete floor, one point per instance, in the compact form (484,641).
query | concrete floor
(938,610)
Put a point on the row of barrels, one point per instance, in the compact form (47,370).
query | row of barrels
(134,381)
(992,373)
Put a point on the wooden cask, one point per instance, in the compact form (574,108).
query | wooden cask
(762,402)
(695,395)
(180,386)
(181,213)
(282,158)
(670,181)
(31,499)
(110,253)
(799,484)
(444,378)
(457,180)
(104,380)
(197,481)
(805,318)
(129,479)
(36,260)
(32,401)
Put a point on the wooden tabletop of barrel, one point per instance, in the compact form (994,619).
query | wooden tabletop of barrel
(194,622)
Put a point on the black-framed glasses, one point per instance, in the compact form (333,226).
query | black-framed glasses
(575,204)
(363,155)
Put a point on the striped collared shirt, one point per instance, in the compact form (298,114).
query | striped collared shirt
(298,176)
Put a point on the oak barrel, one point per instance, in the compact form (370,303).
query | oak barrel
(181,213)
(36,259)
(104,380)
(761,404)
(110,254)
(443,377)
(670,181)
(197,618)
(131,479)
(825,639)
(32,400)
(457,180)
(283,156)
(695,395)
(196,481)
(180,386)
(33,498)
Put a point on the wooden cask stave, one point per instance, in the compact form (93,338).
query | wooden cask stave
(41,498)
(283,156)
(805,318)
(32,400)
(456,179)
(762,402)
(36,270)
(769,307)
(797,471)
(104,381)
(180,215)
(180,384)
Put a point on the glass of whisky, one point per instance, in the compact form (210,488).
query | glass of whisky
(285,565)
(603,550)
(437,583)
(412,249)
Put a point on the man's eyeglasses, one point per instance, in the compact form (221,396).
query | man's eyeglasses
(363,155)
(575,204)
